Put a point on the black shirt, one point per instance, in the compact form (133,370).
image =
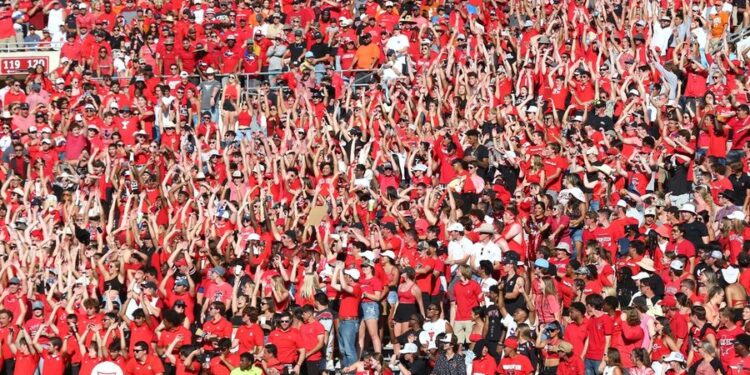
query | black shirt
(677,182)
(296,50)
(320,50)
(480,152)
(740,185)
(694,232)
(418,367)
(604,122)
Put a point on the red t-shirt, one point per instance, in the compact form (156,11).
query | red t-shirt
(349,307)
(576,335)
(26,363)
(250,337)
(287,343)
(53,364)
(467,297)
(518,365)
(151,366)
(311,331)
(597,330)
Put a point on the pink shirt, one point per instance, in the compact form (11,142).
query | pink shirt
(219,292)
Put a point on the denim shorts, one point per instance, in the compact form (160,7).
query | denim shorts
(392,297)
(370,310)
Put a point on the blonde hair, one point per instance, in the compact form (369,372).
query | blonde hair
(549,287)
(310,285)
(278,284)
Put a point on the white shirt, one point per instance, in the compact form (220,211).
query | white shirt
(430,331)
(486,284)
(512,326)
(459,249)
(661,38)
(489,251)
(398,43)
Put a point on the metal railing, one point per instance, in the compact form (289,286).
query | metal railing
(29,46)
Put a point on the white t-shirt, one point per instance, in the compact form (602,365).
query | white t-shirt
(459,249)
(486,284)
(430,331)
(398,43)
(489,251)
(512,326)
(661,38)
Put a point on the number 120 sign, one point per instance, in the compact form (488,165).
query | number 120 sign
(14,65)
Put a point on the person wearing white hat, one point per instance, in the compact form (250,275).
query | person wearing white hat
(347,282)
(209,89)
(411,362)
(459,248)
(694,231)
(486,248)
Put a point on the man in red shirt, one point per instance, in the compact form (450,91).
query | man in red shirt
(570,362)
(740,364)
(315,338)
(54,360)
(577,330)
(217,326)
(512,362)
(468,293)
(171,329)
(345,281)
(249,333)
(142,363)
(600,331)
(288,342)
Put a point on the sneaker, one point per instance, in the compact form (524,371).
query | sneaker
(388,346)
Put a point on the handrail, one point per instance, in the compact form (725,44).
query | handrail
(29,46)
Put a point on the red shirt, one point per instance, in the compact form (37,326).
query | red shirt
(142,333)
(53,364)
(576,335)
(26,363)
(725,339)
(168,336)
(287,343)
(518,365)
(311,331)
(220,328)
(485,365)
(573,366)
(151,366)
(349,307)
(467,297)
(250,337)
(597,329)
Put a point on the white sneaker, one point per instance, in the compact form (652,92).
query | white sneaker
(388,346)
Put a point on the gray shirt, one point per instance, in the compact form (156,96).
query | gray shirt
(274,55)
(206,88)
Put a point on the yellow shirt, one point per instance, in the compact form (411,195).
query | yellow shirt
(251,371)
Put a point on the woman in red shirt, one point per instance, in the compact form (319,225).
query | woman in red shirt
(483,362)
(372,291)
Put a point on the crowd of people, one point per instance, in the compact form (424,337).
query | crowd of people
(372,187)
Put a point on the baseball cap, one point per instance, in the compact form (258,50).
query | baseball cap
(353,272)
(409,348)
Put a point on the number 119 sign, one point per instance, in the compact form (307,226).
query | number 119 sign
(16,65)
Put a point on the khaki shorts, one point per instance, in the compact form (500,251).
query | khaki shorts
(462,330)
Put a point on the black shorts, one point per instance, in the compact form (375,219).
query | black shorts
(404,311)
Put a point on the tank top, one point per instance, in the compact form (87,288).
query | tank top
(511,305)
(406,296)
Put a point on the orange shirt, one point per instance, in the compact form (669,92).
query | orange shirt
(367,56)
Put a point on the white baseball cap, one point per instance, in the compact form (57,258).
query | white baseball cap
(353,272)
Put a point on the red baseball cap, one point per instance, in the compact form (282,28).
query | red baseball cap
(511,342)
